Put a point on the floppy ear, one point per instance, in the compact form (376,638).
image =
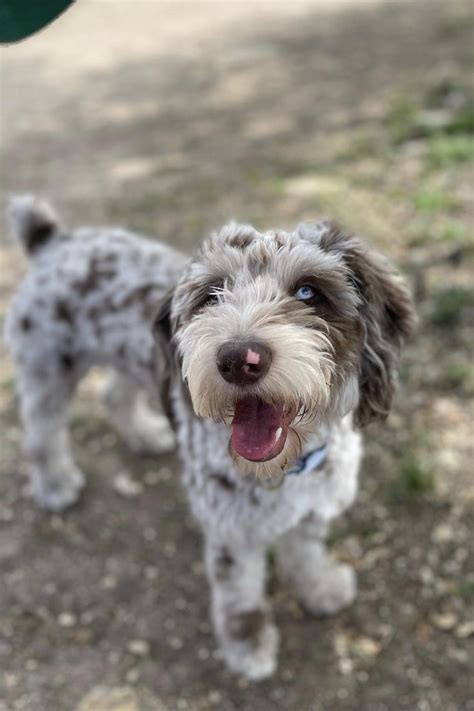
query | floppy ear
(387,314)
(163,333)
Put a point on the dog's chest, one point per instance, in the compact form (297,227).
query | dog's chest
(234,506)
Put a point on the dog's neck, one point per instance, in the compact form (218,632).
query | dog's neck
(316,440)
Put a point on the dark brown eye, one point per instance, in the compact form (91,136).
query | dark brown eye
(211,300)
(210,296)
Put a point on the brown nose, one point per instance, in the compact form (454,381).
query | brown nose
(243,362)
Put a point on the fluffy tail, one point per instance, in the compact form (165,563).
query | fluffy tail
(33,222)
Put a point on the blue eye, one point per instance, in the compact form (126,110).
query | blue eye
(305,293)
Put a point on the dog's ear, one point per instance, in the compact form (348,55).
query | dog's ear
(387,313)
(163,332)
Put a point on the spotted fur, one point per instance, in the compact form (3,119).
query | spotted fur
(87,300)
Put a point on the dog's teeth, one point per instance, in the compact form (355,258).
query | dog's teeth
(278,434)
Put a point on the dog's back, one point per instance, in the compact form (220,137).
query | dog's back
(88,295)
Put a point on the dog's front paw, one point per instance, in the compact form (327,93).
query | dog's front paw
(333,590)
(250,645)
(58,494)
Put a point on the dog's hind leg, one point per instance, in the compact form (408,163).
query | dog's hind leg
(322,585)
(241,615)
(55,479)
(144,430)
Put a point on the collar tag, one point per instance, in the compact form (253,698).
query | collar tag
(310,462)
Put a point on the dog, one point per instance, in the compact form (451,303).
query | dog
(269,350)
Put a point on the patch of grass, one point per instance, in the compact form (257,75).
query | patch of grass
(454,232)
(401,119)
(449,304)
(431,113)
(462,121)
(425,230)
(433,200)
(276,185)
(458,376)
(8,381)
(444,151)
(442,87)
(465,590)
(415,480)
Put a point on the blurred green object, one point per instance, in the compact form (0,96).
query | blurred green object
(21,18)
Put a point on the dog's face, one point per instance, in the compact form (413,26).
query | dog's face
(278,333)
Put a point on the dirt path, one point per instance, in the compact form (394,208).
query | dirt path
(170,118)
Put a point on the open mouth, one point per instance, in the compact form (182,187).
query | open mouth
(259,430)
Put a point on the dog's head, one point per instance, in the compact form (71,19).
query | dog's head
(277,333)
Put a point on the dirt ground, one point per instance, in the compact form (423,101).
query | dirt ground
(170,118)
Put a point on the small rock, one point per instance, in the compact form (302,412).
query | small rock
(443,533)
(444,620)
(381,512)
(101,698)
(464,630)
(132,676)
(372,557)
(434,119)
(139,647)
(441,586)
(169,549)
(366,647)
(426,575)
(385,631)
(66,619)
(346,666)
(353,547)
(151,572)
(127,487)
(108,582)
(175,643)
(10,680)
(460,655)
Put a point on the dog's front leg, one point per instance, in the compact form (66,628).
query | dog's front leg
(240,613)
(322,585)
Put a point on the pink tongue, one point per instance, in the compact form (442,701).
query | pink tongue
(255,428)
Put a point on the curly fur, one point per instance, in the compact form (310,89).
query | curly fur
(87,300)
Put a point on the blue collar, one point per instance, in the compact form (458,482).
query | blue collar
(311,461)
